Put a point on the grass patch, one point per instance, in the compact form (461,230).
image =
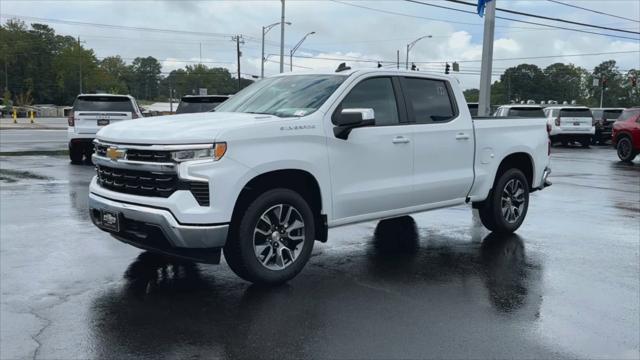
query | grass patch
(35,152)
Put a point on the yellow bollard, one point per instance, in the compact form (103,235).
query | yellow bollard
(15,116)
(31,115)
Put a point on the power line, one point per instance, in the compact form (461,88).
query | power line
(545,17)
(525,21)
(594,11)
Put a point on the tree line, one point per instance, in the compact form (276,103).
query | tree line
(565,82)
(41,67)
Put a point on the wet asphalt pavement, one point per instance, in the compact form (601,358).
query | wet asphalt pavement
(434,285)
(33,140)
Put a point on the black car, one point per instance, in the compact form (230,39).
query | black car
(199,103)
(603,119)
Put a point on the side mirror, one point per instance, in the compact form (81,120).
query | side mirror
(349,119)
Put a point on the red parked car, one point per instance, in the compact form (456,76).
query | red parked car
(626,134)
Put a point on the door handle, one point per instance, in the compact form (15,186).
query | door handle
(462,136)
(400,140)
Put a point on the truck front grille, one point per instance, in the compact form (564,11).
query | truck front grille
(150,183)
(138,154)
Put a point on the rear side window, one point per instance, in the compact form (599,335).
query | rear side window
(103,103)
(526,112)
(575,113)
(611,114)
(376,94)
(429,100)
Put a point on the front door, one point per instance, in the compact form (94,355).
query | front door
(371,171)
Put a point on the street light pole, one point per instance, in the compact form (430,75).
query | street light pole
(282,39)
(411,45)
(265,30)
(293,51)
(484,101)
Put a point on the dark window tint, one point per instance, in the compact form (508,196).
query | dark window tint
(611,114)
(597,114)
(628,114)
(103,103)
(575,113)
(473,109)
(526,112)
(376,94)
(429,100)
(195,104)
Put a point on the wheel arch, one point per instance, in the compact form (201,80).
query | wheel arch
(298,180)
(518,160)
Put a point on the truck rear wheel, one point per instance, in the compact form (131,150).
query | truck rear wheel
(272,241)
(76,151)
(506,207)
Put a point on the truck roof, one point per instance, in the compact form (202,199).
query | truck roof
(370,71)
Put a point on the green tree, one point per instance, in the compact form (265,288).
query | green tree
(566,83)
(523,82)
(614,92)
(145,77)
(114,75)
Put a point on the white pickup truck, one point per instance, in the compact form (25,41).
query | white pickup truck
(287,158)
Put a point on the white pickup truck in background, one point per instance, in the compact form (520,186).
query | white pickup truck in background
(290,156)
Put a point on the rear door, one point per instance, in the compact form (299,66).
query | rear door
(444,142)
(93,112)
(579,119)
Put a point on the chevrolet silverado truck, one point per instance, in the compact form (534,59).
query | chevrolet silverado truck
(267,173)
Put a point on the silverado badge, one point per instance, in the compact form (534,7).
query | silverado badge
(114,153)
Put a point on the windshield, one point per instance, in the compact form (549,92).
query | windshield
(103,103)
(285,96)
(575,113)
(526,112)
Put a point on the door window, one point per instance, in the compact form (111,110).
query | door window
(376,94)
(429,100)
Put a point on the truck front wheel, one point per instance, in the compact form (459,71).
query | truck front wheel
(506,207)
(272,241)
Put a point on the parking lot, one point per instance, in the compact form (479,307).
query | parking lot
(433,285)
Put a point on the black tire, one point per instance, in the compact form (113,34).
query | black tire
(88,151)
(585,142)
(491,210)
(624,148)
(239,250)
(76,151)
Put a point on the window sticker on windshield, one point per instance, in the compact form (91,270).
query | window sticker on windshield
(441,91)
(300,113)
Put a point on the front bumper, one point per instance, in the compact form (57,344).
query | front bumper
(158,230)
(545,179)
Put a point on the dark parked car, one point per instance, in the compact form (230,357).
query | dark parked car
(626,134)
(603,119)
(199,103)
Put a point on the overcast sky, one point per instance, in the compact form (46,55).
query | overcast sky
(342,31)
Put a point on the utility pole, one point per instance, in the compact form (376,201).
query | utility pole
(603,84)
(398,59)
(200,53)
(80,64)
(239,40)
(170,95)
(282,39)
(484,103)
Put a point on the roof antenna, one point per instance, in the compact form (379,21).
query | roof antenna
(343,67)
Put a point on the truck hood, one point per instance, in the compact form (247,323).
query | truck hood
(178,129)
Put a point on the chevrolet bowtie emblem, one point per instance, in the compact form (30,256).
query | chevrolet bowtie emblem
(114,153)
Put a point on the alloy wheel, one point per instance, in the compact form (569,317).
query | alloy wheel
(512,201)
(279,236)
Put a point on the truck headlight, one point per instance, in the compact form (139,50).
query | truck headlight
(215,152)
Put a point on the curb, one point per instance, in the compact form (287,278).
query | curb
(43,127)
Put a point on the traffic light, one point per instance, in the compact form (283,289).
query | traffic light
(413,66)
(379,65)
(447,67)
(634,81)
(604,82)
